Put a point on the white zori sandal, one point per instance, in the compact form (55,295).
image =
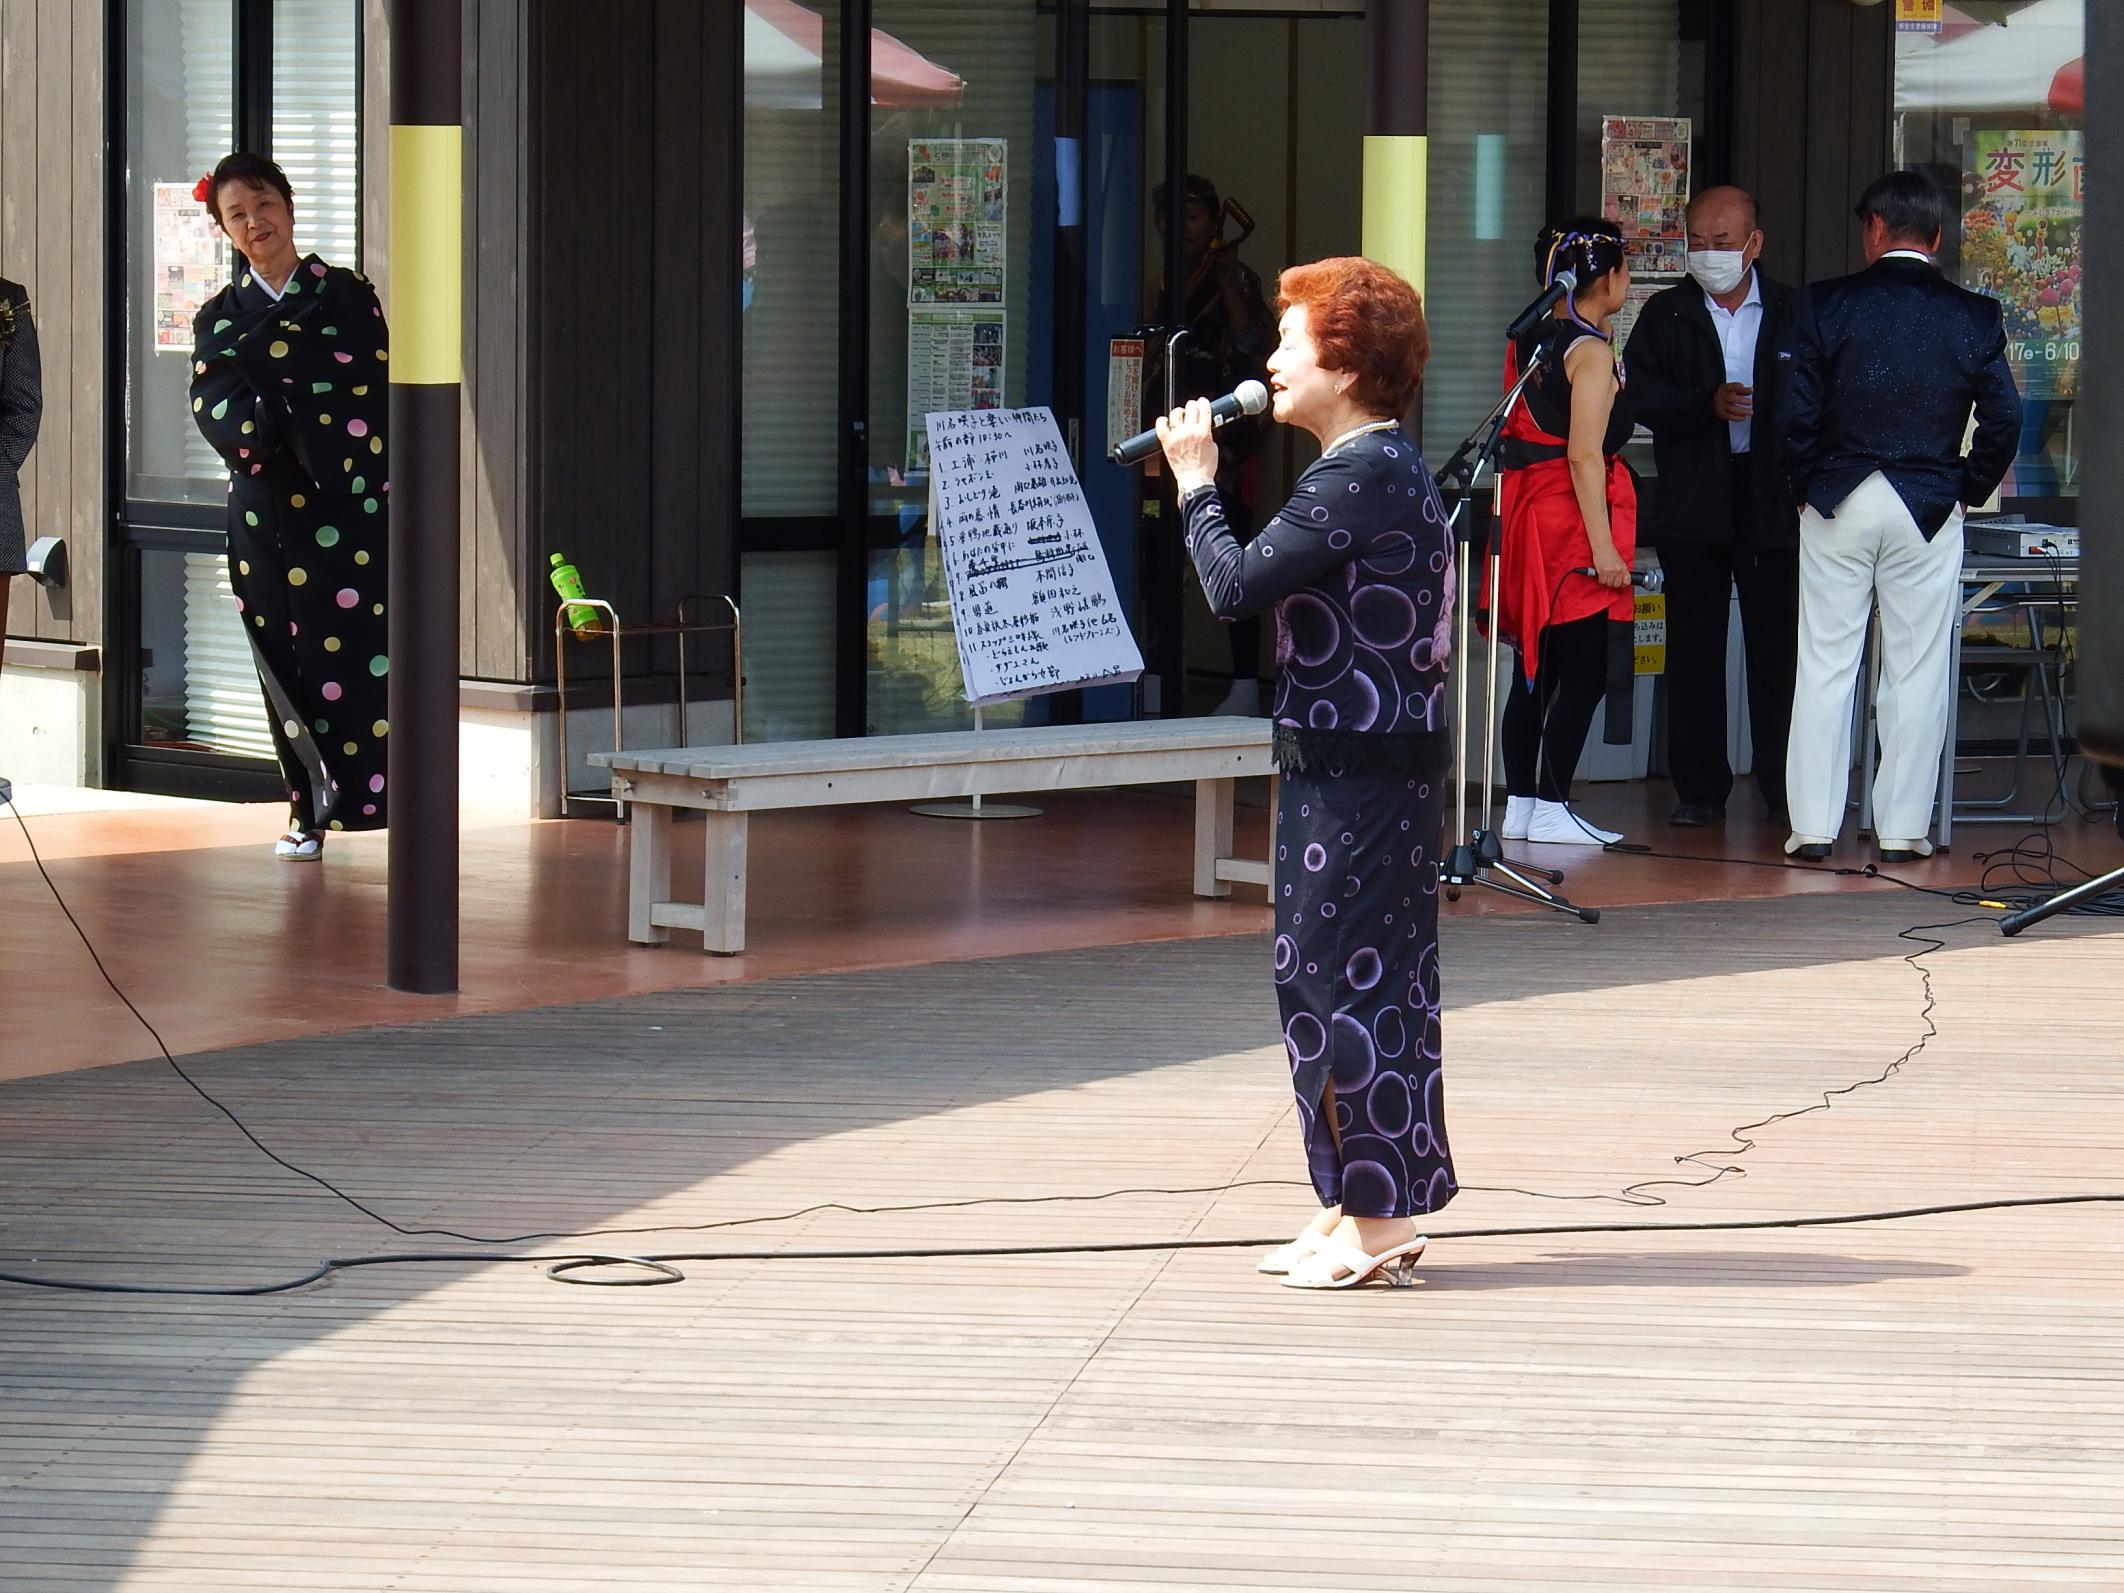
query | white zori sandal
(1284,1257)
(301,846)
(1339,1266)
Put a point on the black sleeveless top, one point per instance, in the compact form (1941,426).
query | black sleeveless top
(1548,396)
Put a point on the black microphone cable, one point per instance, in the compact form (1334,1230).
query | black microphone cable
(659,1268)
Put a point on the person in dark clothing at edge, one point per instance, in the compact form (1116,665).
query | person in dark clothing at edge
(1708,360)
(1230,332)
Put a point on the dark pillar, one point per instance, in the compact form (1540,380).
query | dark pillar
(426,264)
(858,226)
(2101,675)
(1397,173)
(1161,558)
(1562,188)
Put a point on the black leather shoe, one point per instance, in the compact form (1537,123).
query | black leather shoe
(1692,815)
(1812,852)
(1900,854)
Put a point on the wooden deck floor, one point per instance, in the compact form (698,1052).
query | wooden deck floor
(1931,1404)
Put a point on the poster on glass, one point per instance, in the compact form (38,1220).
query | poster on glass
(2022,200)
(191,264)
(957,211)
(1644,190)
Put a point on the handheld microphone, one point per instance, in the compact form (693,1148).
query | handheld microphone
(1248,398)
(1566,282)
(1643,580)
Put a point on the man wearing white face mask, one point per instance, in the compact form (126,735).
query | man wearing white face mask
(1707,362)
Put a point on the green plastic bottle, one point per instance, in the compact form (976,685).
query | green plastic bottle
(568,582)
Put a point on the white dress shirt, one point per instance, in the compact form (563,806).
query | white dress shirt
(1737,330)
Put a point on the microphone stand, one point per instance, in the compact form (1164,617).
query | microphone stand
(1479,857)
(2064,901)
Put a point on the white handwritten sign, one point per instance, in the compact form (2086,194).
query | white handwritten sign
(1032,600)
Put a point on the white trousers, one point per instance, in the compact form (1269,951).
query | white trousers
(1872,550)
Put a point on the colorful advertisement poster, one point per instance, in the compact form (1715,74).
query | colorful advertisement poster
(2022,201)
(957,207)
(1634,301)
(1918,16)
(954,362)
(1644,189)
(191,264)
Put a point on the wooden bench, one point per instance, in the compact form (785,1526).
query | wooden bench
(729,783)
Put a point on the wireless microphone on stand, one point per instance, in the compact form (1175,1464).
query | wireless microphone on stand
(1248,398)
(1566,283)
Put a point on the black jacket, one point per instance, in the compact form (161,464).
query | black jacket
(1886,367)
(21,404)
(1674,364)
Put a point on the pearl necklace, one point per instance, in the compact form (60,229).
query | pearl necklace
(1358,431)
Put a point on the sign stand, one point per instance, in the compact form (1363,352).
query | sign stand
(1033,605)
(973,807)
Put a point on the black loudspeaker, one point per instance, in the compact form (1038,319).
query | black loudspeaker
(2101,680)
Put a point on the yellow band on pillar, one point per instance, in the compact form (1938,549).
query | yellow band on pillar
(1397,183)
(427,254)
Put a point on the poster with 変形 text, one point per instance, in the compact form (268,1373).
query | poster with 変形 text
(2023,194)
(1032,601)
(954,362)
(957,207)
(191,264)
(1644,189)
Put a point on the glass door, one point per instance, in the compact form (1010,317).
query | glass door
(790,496)
(949,240)
(204,77)
(961,185)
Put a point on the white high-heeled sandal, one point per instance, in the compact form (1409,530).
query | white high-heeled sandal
(1336,1265)
(1284,1257)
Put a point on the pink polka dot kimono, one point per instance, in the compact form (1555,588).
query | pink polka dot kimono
(293,395)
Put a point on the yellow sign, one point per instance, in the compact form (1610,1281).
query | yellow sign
(1650,613)
(1918,16)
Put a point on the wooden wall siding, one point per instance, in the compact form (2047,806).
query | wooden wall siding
(632,367)
(495,578)
(1814,88)
(494,584)
(51,227)
(694,379)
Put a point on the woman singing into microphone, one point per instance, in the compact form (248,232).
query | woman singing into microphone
(1358,569)
(1569,505)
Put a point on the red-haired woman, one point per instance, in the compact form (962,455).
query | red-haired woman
(1358,569)
(1569,505)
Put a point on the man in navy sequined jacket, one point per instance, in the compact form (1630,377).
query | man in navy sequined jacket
(1889,365)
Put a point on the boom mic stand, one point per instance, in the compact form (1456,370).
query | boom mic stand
(1476,859)
(2065,900)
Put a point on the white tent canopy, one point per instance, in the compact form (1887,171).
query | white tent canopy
(2002,66)
(784,57)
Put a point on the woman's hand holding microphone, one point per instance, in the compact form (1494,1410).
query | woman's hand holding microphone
(1187,436)
(1608,567)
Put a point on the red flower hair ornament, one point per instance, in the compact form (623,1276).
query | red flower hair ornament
(203,187)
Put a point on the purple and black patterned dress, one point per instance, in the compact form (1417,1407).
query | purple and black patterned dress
(1359,569)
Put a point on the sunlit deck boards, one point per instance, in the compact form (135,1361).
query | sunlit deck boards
(1936,1404)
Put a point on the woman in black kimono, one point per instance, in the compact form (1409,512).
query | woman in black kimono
(289,385)
(1358,568)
